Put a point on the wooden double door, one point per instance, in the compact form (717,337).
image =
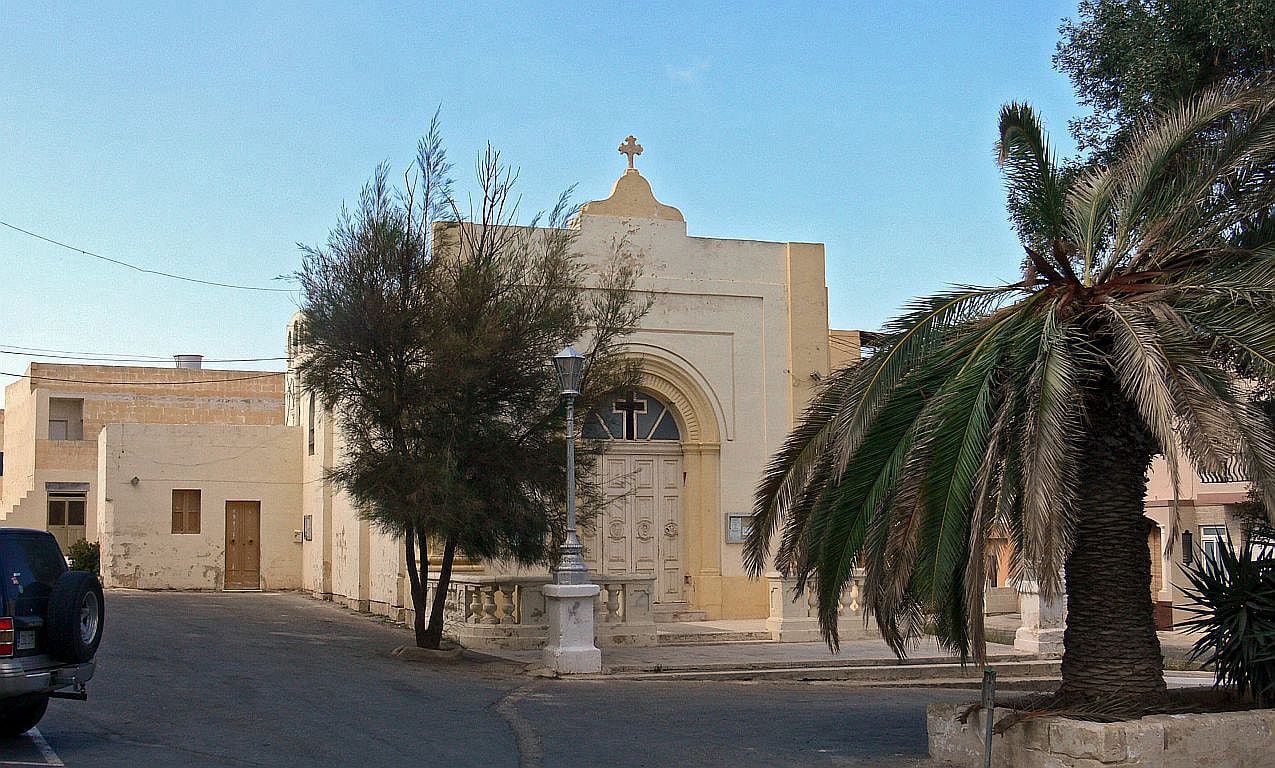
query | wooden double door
(243,545)
(640,529)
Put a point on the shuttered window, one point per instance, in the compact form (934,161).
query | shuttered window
(185,511)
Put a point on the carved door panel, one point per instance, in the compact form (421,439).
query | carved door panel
(639,529)
(644,544)
(669,584)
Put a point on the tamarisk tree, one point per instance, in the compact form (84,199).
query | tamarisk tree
(429,332)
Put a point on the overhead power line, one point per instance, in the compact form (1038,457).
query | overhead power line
(90,354)
(169,275)
(120,359)
(142,383)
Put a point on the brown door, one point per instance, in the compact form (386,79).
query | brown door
(243,545)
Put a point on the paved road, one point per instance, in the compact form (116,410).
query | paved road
(195,680)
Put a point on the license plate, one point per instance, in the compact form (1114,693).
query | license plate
(26,640)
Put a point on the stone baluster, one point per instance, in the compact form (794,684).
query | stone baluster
(619,606)
(600,604)
(507,606)
(475,603)
(489,604)
(613,593)
(515,604)
(449,605)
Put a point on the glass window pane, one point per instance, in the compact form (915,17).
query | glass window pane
(593,428)
(666,429)
(57,429)
(75,512)
(179,521)
(32,565)
(57,512)
(646,419)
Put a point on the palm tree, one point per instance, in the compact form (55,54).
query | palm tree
(1036,408)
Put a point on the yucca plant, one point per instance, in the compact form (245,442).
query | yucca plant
(1233,596)
(1035,408)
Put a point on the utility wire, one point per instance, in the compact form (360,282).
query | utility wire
(142,383)
(143,269)
(34,350)
(87,358)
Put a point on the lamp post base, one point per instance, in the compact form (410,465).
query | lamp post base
(570,649)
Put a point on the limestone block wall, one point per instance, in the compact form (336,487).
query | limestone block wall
(1221,740)
(225,463)
(114,394)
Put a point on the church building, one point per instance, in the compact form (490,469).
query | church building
(735,342)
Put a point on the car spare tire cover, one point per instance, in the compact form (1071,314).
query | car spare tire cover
(71,634)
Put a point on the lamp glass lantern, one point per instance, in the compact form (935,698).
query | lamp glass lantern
(570,366)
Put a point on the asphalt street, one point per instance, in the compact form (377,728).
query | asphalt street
(229,679)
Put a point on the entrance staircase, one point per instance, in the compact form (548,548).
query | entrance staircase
(681,611)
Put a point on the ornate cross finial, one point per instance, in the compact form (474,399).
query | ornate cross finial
(631,148)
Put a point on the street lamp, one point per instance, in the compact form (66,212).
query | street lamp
(569,600)
(571,568)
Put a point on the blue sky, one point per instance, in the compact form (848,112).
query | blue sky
(210,139)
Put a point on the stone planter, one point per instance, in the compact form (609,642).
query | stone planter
(1222,740)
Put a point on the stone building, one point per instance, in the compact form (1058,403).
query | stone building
(55,415)
(1210,510)
(731,350)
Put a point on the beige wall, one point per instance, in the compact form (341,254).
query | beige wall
(226,463)
(844,348)
(113,394)
(1199,504)
(1,453)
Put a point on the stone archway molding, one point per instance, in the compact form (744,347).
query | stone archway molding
(700,415)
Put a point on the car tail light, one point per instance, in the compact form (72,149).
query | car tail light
(7,638)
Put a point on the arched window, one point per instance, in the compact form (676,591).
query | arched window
(630,415)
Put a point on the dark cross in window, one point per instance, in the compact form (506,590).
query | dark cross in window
(630,407)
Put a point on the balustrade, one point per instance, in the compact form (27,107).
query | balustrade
(492,611)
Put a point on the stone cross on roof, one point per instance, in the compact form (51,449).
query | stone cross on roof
(631,148)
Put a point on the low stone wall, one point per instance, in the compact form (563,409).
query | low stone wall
(490,612)
(1223,740)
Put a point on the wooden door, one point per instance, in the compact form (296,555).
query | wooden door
(639,530)
(243,545)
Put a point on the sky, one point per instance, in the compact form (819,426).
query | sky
(210,139)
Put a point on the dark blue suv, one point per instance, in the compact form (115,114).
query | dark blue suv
(50,625)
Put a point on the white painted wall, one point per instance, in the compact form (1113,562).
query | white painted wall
(227,463)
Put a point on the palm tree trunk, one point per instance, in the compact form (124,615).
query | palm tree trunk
(1111,654)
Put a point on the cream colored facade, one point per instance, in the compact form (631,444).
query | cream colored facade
(733,346)
(54,414)
(140,466)
(1207,509)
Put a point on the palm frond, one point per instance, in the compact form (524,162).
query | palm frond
(1051,430)
(1035,188)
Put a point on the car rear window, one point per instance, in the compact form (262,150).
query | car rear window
(31,566)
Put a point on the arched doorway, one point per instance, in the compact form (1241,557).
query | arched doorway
(640,529)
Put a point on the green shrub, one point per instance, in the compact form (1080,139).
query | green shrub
(85,556)
(1234,612)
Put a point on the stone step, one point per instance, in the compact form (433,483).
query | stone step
(674,637)
(670,613)
(860,673)
(995,660)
